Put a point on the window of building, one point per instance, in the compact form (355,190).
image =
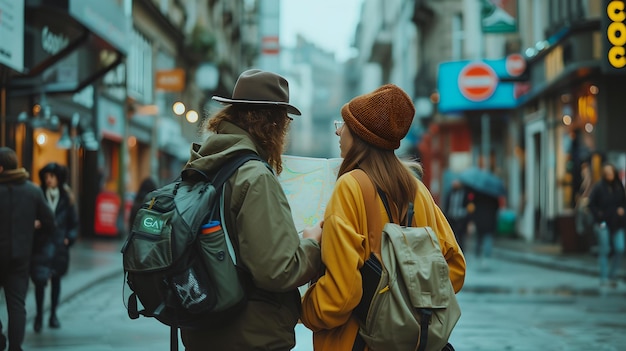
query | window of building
(554,13)
(538,20)
(458,37)
(565,7)
(140,80)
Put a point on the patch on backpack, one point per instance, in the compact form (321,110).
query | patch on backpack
(152,222)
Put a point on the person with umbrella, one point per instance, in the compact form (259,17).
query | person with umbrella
(484,190)
(483,213)
(455,210)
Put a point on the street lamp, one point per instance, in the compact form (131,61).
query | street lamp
(192,116)
(179,108)
(41,138)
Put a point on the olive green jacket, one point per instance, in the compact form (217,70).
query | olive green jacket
(260,223)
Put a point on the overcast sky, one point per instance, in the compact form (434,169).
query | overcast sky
(330,24)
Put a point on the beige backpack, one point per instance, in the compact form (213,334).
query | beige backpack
(408,301)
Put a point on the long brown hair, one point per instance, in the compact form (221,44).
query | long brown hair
(387,172)
(267,125)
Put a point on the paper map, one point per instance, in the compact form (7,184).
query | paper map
(308,183)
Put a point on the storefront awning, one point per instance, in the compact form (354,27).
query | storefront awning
(70,44)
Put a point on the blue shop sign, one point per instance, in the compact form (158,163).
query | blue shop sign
(476,85)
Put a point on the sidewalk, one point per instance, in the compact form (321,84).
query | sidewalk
(548,255)
(93,260)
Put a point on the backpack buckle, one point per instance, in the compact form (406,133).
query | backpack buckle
(133,312)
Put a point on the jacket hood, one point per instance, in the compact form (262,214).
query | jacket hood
(14,175)
(221,146)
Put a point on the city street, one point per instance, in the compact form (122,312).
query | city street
(96,320)
(520,307)
(510,306)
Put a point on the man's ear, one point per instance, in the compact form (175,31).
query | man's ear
(1,169)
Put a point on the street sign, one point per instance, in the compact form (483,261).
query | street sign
(471,85)
(172,80)
(477,81)
(270,45)
(515,65)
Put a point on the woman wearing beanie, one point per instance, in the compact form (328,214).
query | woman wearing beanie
(374,125)
(51,258)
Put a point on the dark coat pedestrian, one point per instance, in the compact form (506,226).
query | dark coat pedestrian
(484,215)
(22,209)
(607,203)
(455,210)
(51,257)
(606,197)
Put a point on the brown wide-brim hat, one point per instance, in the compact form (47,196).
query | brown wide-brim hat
(259,87)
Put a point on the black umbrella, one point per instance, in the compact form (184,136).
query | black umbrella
(482,181)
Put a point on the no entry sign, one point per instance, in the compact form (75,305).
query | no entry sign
(515,65)
(477,85)
(477,81)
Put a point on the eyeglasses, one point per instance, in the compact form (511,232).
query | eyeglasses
(339,124)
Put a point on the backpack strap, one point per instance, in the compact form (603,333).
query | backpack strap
(231,166)
(374,224)
(219,182)
(409,214)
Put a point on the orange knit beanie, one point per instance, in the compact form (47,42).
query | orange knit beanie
(381,118)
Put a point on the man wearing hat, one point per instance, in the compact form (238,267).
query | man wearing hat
(372,128)
(274,260)
(22,208)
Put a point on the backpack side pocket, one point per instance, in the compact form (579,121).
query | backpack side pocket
(214,252)
(193,287)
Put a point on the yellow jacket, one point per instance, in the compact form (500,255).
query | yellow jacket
(327,305)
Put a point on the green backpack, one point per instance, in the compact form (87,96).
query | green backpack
(179,260)
(408,300)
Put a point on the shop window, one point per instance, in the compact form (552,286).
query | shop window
(110,166)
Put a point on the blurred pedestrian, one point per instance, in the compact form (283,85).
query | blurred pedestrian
(584,218)
(483,210)
(23,209)
(607,202)
(273,259)
(372,127)
(51,257)
(146,186)
(455,209)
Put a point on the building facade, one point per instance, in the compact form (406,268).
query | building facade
(571,113)
(92,86)
(50,113)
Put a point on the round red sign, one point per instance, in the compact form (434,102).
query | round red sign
(477,81)
(515,65)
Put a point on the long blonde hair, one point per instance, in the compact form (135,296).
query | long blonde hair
(388,173)
(267,125)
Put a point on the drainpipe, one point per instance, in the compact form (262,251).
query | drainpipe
(3,109)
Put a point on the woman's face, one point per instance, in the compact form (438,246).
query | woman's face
(51,180)
(607,172)
(345,139)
